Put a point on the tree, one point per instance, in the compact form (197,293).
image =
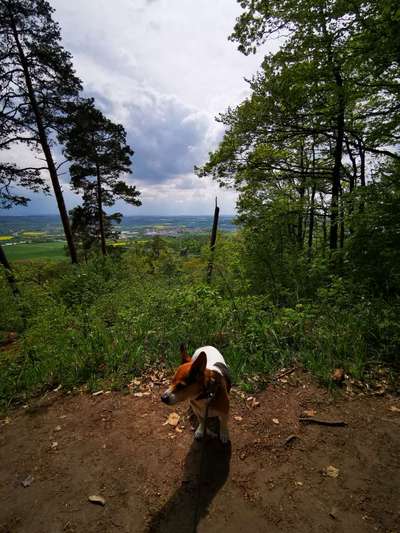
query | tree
(10,177)
(85,224)
(99,154)
(37,81)
(316,112)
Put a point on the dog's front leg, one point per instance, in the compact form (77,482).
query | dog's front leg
(223,428)
(200,428)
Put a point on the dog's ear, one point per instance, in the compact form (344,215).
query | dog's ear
(199,365)
(185,357)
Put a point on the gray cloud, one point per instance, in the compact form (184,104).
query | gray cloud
(163,69)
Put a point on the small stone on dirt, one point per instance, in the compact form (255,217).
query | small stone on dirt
(298,483)
(27,482)
(172,420)
(333,513)
(394,409)
(98,393)
(97,500)
(54,445)
(331,471)
(275,421)
(57,428)
(238,418)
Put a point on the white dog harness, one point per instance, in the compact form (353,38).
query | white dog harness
(214,358)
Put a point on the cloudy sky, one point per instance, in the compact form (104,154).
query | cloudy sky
(164,69)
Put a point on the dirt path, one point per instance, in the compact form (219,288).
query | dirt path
(116,446)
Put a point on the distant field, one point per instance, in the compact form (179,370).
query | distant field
(39,250)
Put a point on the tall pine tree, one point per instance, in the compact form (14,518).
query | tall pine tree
(99,155)
(37,81)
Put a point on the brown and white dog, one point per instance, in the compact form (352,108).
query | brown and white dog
(197,378)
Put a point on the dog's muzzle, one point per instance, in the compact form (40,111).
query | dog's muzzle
(165,398)
(168,397)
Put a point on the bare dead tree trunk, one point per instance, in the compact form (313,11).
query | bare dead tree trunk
(45,144)
(212,242)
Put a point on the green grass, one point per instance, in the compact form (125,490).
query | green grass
(39,250)
(105,320)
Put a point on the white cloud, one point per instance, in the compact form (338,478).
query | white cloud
(164,68)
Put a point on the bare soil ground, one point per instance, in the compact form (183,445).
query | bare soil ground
(68,447)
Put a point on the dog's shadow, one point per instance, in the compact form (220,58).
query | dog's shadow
(188,505)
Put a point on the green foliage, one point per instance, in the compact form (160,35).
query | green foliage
(100,323)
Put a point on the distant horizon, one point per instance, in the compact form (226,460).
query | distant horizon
(159,215)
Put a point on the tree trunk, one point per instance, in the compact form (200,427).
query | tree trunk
(353,176)
(361,151)
(9,273)
(333,235)
(212,242)
(312,217)
(342,211)
(324,232)
(100,206)
(339,133)
(45,144)
(302,189)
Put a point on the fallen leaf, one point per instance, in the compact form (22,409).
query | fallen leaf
(27,482)
(332,471)
(394,409)
(140,394)
(275,421)
(172,420)
(310,412)
(98,500)
(238,418)
(338,375)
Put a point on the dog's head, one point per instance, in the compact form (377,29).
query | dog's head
(189,380)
